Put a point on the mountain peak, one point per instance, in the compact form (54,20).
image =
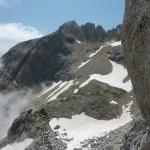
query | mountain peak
(70,23)
(52,55)
(71,29)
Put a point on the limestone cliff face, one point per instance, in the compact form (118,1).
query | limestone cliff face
(136,45)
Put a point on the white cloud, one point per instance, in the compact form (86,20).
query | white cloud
(13,33)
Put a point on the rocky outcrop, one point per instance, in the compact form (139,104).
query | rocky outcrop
(92,32)
(138,136)
(94,100)
(35,61)
(136,45)
(115,54)
(114,34)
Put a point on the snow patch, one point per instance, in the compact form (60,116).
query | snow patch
(76,91)
(84,63)
(82,127)
(54,85)
(62,88)
(78,41)
(115,78)
(93,54)
(117,43)
(113,102)
(76,82)
(18,146)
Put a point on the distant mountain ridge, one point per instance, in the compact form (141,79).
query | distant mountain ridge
(90,32)
(49,58)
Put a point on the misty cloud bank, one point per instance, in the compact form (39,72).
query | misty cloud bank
(11,105)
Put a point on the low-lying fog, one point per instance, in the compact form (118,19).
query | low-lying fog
(11,105)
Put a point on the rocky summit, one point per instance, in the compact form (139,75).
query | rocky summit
(53,57)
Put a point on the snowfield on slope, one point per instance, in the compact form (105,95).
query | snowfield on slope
(93,54)
(79,42)
(114,79)
(82,127)
(47,89)
(113,44)
(18,146)
(56,89)
(84,63)
(64,86)
(116,43)
(114,102)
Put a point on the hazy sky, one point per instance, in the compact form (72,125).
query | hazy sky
(25,19)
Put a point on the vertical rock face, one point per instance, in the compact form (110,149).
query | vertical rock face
(136,45)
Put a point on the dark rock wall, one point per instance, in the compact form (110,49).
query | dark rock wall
(35,61)
(136,45)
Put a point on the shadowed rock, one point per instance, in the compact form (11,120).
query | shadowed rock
(136,45)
